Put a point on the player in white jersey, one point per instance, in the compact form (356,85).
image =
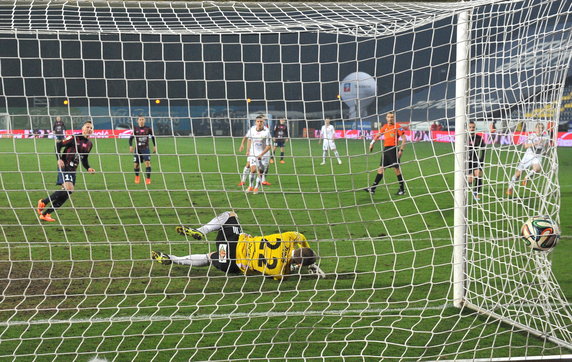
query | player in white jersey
(327,134)
(535,146)
(258,155)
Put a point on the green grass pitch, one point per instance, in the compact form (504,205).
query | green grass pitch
(88,287)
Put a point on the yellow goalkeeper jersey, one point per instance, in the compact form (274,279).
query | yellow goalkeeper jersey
(270,254)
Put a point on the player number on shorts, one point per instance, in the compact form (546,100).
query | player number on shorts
(262,260)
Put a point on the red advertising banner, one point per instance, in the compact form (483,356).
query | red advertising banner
(46,133)
(564,138)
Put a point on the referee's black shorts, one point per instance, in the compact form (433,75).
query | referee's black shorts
(389,158)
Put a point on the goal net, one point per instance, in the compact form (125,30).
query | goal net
(437,272)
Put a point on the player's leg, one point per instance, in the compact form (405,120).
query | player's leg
(216,224)
(533,170)
(147,169)
(399,175)
(272,153)
(253,177)
(335,149)
(282,154)
(378,178)
(325,148)
(513,181)
(57,199)
(265,165)
(190,260)
(245,173)
(477,183)
(136,168)
(259,176)
(524,164)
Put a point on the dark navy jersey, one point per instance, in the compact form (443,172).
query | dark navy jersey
(476,148)
(141,136)
(73,150)
(280,131)
(59,127)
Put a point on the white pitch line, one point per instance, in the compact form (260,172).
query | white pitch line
(218,316)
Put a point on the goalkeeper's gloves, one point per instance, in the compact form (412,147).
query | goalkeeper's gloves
(294,268)
(314,269)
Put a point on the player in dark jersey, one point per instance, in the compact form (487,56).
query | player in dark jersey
(475,159)
(59,128)
(280,136)
(141,151)
(70,152)
(275,255)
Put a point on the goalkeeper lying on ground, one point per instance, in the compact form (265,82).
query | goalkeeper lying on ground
(273,255)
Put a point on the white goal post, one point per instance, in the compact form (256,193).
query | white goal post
(436,271)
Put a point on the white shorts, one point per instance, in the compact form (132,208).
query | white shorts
(264,162)
(528,160)
(328,144)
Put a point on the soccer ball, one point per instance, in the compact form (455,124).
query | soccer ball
(540,233)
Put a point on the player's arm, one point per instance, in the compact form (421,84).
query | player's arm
(286,134)
(374,139)
(242,142)
(131,142)
(403,141)
(152,136)
(248,144)
(62,144)
(482,148)
(85,162)
(266,149)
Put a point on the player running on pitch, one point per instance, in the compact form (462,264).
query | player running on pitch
(70,152)
(275,255)
(535,146)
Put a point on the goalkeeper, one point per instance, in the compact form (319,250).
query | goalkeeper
(273,255)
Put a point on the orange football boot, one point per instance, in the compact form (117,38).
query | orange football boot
(47,217)
(41,207)
(137,179)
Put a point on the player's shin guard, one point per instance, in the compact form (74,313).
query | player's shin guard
(281,156)
(148,172)
(137,170)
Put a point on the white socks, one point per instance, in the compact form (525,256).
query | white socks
(192,260)
(245,173)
